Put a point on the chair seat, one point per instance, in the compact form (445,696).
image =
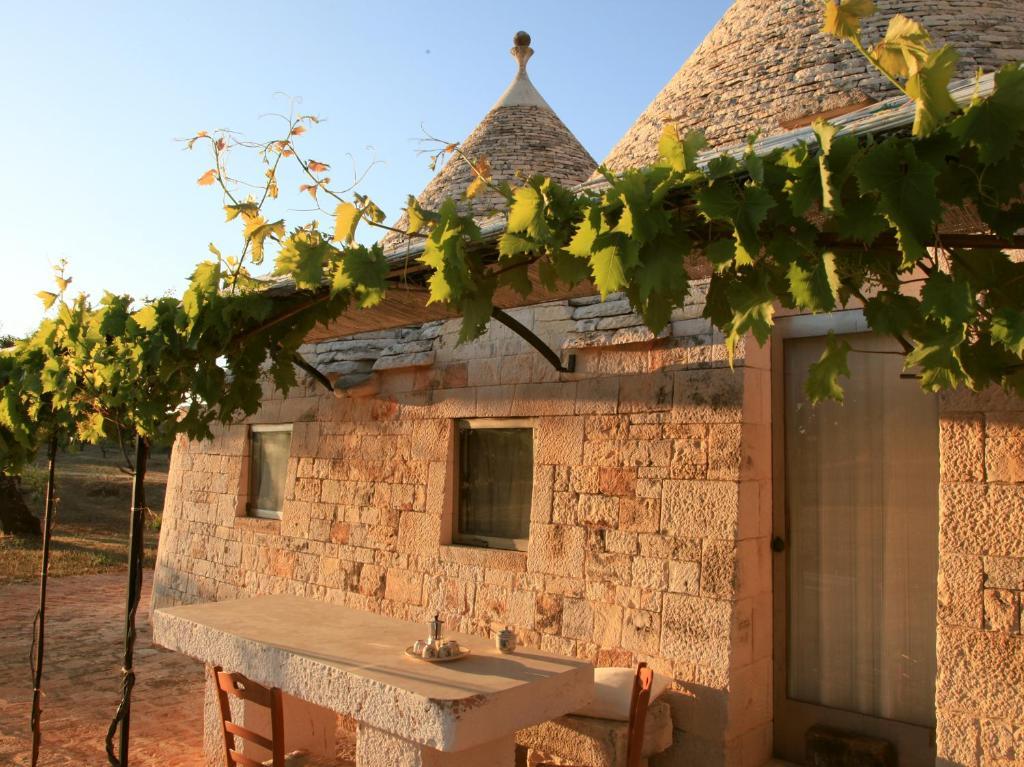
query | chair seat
(584,740)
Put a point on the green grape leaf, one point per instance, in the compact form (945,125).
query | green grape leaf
(814,282)
(518,279)
(476,312)
(905,186)
(993,125)
(512,245)
(746,209)
(892,313)
(948,301)
(752,305)
(364,271)
(823,376)
(1008,329)
(303,257)
(937,354)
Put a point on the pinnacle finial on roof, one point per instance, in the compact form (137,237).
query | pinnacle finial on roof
(522,50)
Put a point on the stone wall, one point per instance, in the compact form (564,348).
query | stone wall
(980,686)
(650,515)
(650,524)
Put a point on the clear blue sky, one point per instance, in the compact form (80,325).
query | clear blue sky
(95,95)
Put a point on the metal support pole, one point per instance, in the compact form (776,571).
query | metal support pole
(122,716)
(531,338)
(40,631)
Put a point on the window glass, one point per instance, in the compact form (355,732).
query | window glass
(495,486)
(269,451)
(862,498)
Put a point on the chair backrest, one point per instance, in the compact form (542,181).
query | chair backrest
(638,703)
(238,686)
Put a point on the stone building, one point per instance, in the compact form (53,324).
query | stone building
(797,572)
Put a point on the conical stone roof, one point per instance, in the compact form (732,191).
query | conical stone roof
(766,65)
(521,134)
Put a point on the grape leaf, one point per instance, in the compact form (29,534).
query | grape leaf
(680,155)
(929,87)
(904,47)
(527,213)
(842,19)
(1008,329)
(905,186)
(346,219)
(987,124)
(823,375)
(814,282)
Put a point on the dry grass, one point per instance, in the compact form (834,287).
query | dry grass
(90,533)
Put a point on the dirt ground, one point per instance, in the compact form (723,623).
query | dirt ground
(85,620)
(90,533)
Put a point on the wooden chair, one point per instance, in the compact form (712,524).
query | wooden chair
(639,702)
(580,740)
(233,685)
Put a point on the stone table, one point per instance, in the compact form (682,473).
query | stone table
(327,658)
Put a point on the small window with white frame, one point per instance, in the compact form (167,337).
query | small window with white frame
(495,483)
(269,449)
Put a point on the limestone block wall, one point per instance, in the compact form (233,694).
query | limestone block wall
(980,685)
(650,514)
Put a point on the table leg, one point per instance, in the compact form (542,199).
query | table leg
(376,748)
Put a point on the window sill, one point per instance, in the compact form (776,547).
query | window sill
(478,556)
(259,524)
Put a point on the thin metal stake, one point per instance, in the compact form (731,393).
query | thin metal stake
(122,716)
(37,656)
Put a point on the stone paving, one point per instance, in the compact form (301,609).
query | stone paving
(85,617)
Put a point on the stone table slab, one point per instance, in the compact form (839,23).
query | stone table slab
(353,662)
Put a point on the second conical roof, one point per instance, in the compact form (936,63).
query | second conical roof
(766,66)
(520,135)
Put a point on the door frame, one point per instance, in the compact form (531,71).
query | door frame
(792,718)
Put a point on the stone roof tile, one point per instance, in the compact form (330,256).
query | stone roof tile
(766,63)
(520,136)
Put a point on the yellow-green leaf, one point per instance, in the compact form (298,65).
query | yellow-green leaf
(47,298)
(929,87)
(842,19)
(346,219)
(904,47)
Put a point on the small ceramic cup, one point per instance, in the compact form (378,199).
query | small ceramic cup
(505,641)
(430,651)
(453,646)
(444,651)
(419,647)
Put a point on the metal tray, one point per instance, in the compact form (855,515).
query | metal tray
(463,652)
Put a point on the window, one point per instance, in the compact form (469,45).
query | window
(269,448)
(495,483)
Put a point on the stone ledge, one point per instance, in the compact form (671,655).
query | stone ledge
(258,524)
(499,559)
